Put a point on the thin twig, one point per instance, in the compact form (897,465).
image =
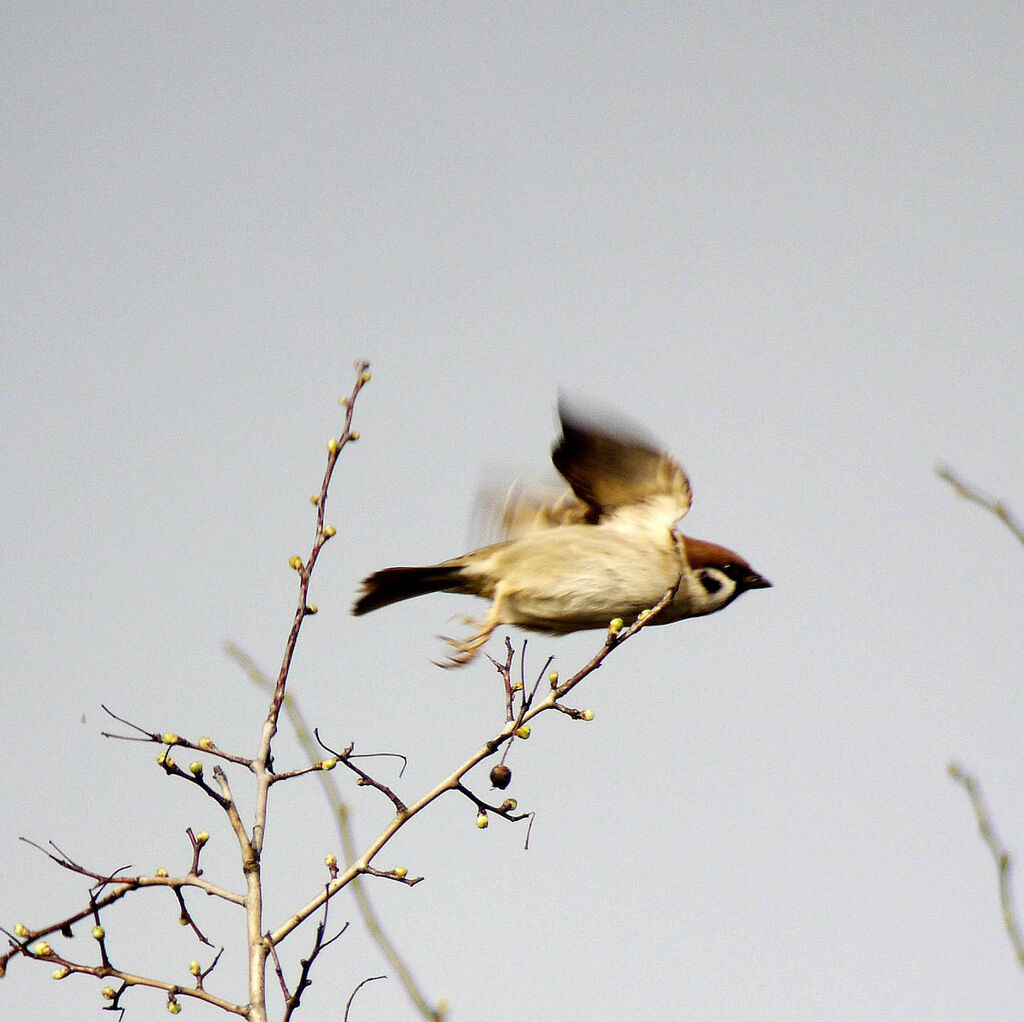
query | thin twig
(999,854)
(369,979)
(996,507)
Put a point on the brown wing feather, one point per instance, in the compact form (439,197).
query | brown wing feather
(610,470)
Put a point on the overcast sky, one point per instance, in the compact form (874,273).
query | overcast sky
(785,238)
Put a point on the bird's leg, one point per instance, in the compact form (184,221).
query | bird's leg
(465,650)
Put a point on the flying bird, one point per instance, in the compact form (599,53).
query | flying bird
(577,558)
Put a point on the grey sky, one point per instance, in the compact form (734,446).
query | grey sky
(786,238)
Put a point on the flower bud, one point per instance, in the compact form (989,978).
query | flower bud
(481,820)
(98,933)
(523,732)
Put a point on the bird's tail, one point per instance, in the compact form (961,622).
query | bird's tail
(395,584)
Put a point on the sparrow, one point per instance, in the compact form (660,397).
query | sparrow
(577,558)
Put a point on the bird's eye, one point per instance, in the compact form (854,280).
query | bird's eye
(710,582)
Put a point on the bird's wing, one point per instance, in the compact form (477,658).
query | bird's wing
(619,474)
(521,508)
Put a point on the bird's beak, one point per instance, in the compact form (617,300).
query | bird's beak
(755,581)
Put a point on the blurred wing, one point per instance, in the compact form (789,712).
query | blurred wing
(522,508)
(619,475)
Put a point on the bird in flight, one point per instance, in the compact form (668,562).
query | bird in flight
(577,558)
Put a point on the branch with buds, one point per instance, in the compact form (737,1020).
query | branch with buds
(206,767)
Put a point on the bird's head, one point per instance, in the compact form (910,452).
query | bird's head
(721,572)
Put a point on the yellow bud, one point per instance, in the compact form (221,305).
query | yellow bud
(206,742)
(194,968)
(169,763)
(328,764)
(332,445)
(343,401)
(295,563)
(202,837)
(481,820)
(517,687)
(196,768)
(329,530)
(615,625)
(161,872)
(509,805)
(312,608)
(20,930)
(59,973)
(174,1007)
(42,949)
(169,738)
(108,993)
(553,678)
(315,499)
(588,715)
(644,614)
(98,933)
(183,920)
(401,872)
(330,861)
(365,378)
(354,435)
(523,732)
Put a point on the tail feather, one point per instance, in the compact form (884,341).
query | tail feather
(395,584)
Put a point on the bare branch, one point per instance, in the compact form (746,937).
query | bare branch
(996,507)
(999,854)
(369,979)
